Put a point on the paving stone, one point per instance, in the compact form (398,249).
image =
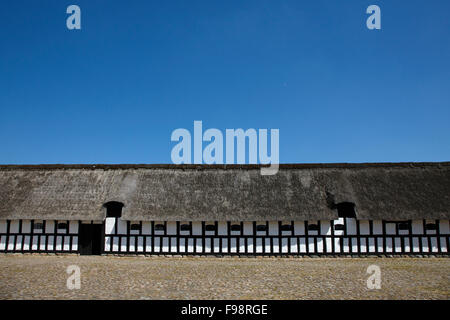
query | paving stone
(112,277)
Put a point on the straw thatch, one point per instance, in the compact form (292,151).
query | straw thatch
(235,192)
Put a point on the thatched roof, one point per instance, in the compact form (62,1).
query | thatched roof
(391,191)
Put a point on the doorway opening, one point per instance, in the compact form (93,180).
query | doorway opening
(113,209)
(346,210)
(91,239)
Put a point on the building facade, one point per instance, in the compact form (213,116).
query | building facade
(363,209)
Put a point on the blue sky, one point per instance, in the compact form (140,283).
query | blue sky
(114,91)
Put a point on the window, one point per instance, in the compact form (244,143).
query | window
(286,227)
(346,210)
(235,227)
(38,226)
(404,225)
(313,227)
(135,227)
(430,226)
(210,227)
(113,209)
(185,227)
(339,227)
(261,227)
(62,225)
(160,227)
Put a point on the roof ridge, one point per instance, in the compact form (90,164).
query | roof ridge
(219,166)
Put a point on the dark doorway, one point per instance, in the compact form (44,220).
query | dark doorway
(113,209)
(346,210)
(91,239)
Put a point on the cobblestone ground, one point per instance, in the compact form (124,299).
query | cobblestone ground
(109,277)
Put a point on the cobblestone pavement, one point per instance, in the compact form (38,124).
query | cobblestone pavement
(110,277)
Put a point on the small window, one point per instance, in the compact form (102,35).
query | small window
(286,227)
(185,227)
(313,227)
(62,225)
(261,227)
(210,227)
(339,227)
(235,227)
(431,226)
(404,225)
(38,226)
(135,227)
(160,227)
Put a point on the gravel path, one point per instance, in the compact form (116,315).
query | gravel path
(109,277)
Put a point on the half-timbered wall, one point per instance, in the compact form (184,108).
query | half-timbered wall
(38,236)
(340,236)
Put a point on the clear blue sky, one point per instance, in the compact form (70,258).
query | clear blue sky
(114,91)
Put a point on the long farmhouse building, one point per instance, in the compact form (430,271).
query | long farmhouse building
(304,209)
